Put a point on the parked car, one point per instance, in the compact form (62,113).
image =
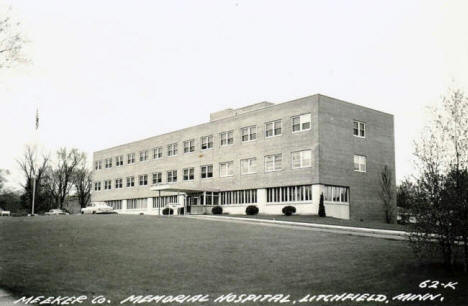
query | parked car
(4,212)
(97,208)
(55,212)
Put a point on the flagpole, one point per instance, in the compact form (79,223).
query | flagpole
(34,178)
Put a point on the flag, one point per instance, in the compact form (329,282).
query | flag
(37,118)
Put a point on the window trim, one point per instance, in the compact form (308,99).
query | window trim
(274,162)
(300,130)
(300,159)
(188,175)
(359,168)
(207,167)
(248,159)
(191,145)
(208,142)
(359,129)
(227,138)
(273,122)
(249,133)
(226,163)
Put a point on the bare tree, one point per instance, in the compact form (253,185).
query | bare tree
(60,176)
(11,41)
(34,167)
(387,193)
(83,183)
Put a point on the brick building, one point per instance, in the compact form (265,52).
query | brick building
(265,154)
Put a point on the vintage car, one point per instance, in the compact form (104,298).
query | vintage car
(97,208)
(4,212)
(55,212)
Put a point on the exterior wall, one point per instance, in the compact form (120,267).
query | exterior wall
(330,139)
(338,146)
(285,144)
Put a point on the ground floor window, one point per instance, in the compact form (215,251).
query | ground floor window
(159,202)
(336,194)
(116,204)
(238,197)
(289,194)
(137,203)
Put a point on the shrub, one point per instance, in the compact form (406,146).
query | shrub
(217,210)
(321,207)
(251,210)
(168,211)
(289,210)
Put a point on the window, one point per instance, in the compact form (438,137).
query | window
(116,204)
(189,146)
(118,183)
(336,194)
(130,181)
(172,149)
(98,165)
(107,184)
(160,202)
(172,176)
(157,177)
(273,162)
(97,186)
(108,162)
(130,158)
(143,155)
(273,128)
(359,129)
(360,163)
(226,169)
(119,160)
(248,165)
(143,180)
(137,203)
(301,122)
(301,159)
(237,197)
(189,174)
(157,152)
(289,194)
(249,133)
(207,171)
(227,138)
(206,142)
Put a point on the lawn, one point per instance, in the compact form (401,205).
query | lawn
(117,256)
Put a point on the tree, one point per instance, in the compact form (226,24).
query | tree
(60,176)
(83,183)
(387,193)
(3,173)
(405,194)
(11,41)
(34,169)
(321,211)
(442,158)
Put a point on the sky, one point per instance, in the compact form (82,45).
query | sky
(104,73)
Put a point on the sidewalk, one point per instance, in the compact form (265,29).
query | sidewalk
(348,230)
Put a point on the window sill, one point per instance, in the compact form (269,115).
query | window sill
(300,131)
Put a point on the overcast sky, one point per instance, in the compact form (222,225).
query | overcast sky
(104,73)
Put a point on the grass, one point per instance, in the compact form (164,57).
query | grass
(117,256)
(329,221)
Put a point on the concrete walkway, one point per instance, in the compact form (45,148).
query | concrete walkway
(6,299)
(348,230)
